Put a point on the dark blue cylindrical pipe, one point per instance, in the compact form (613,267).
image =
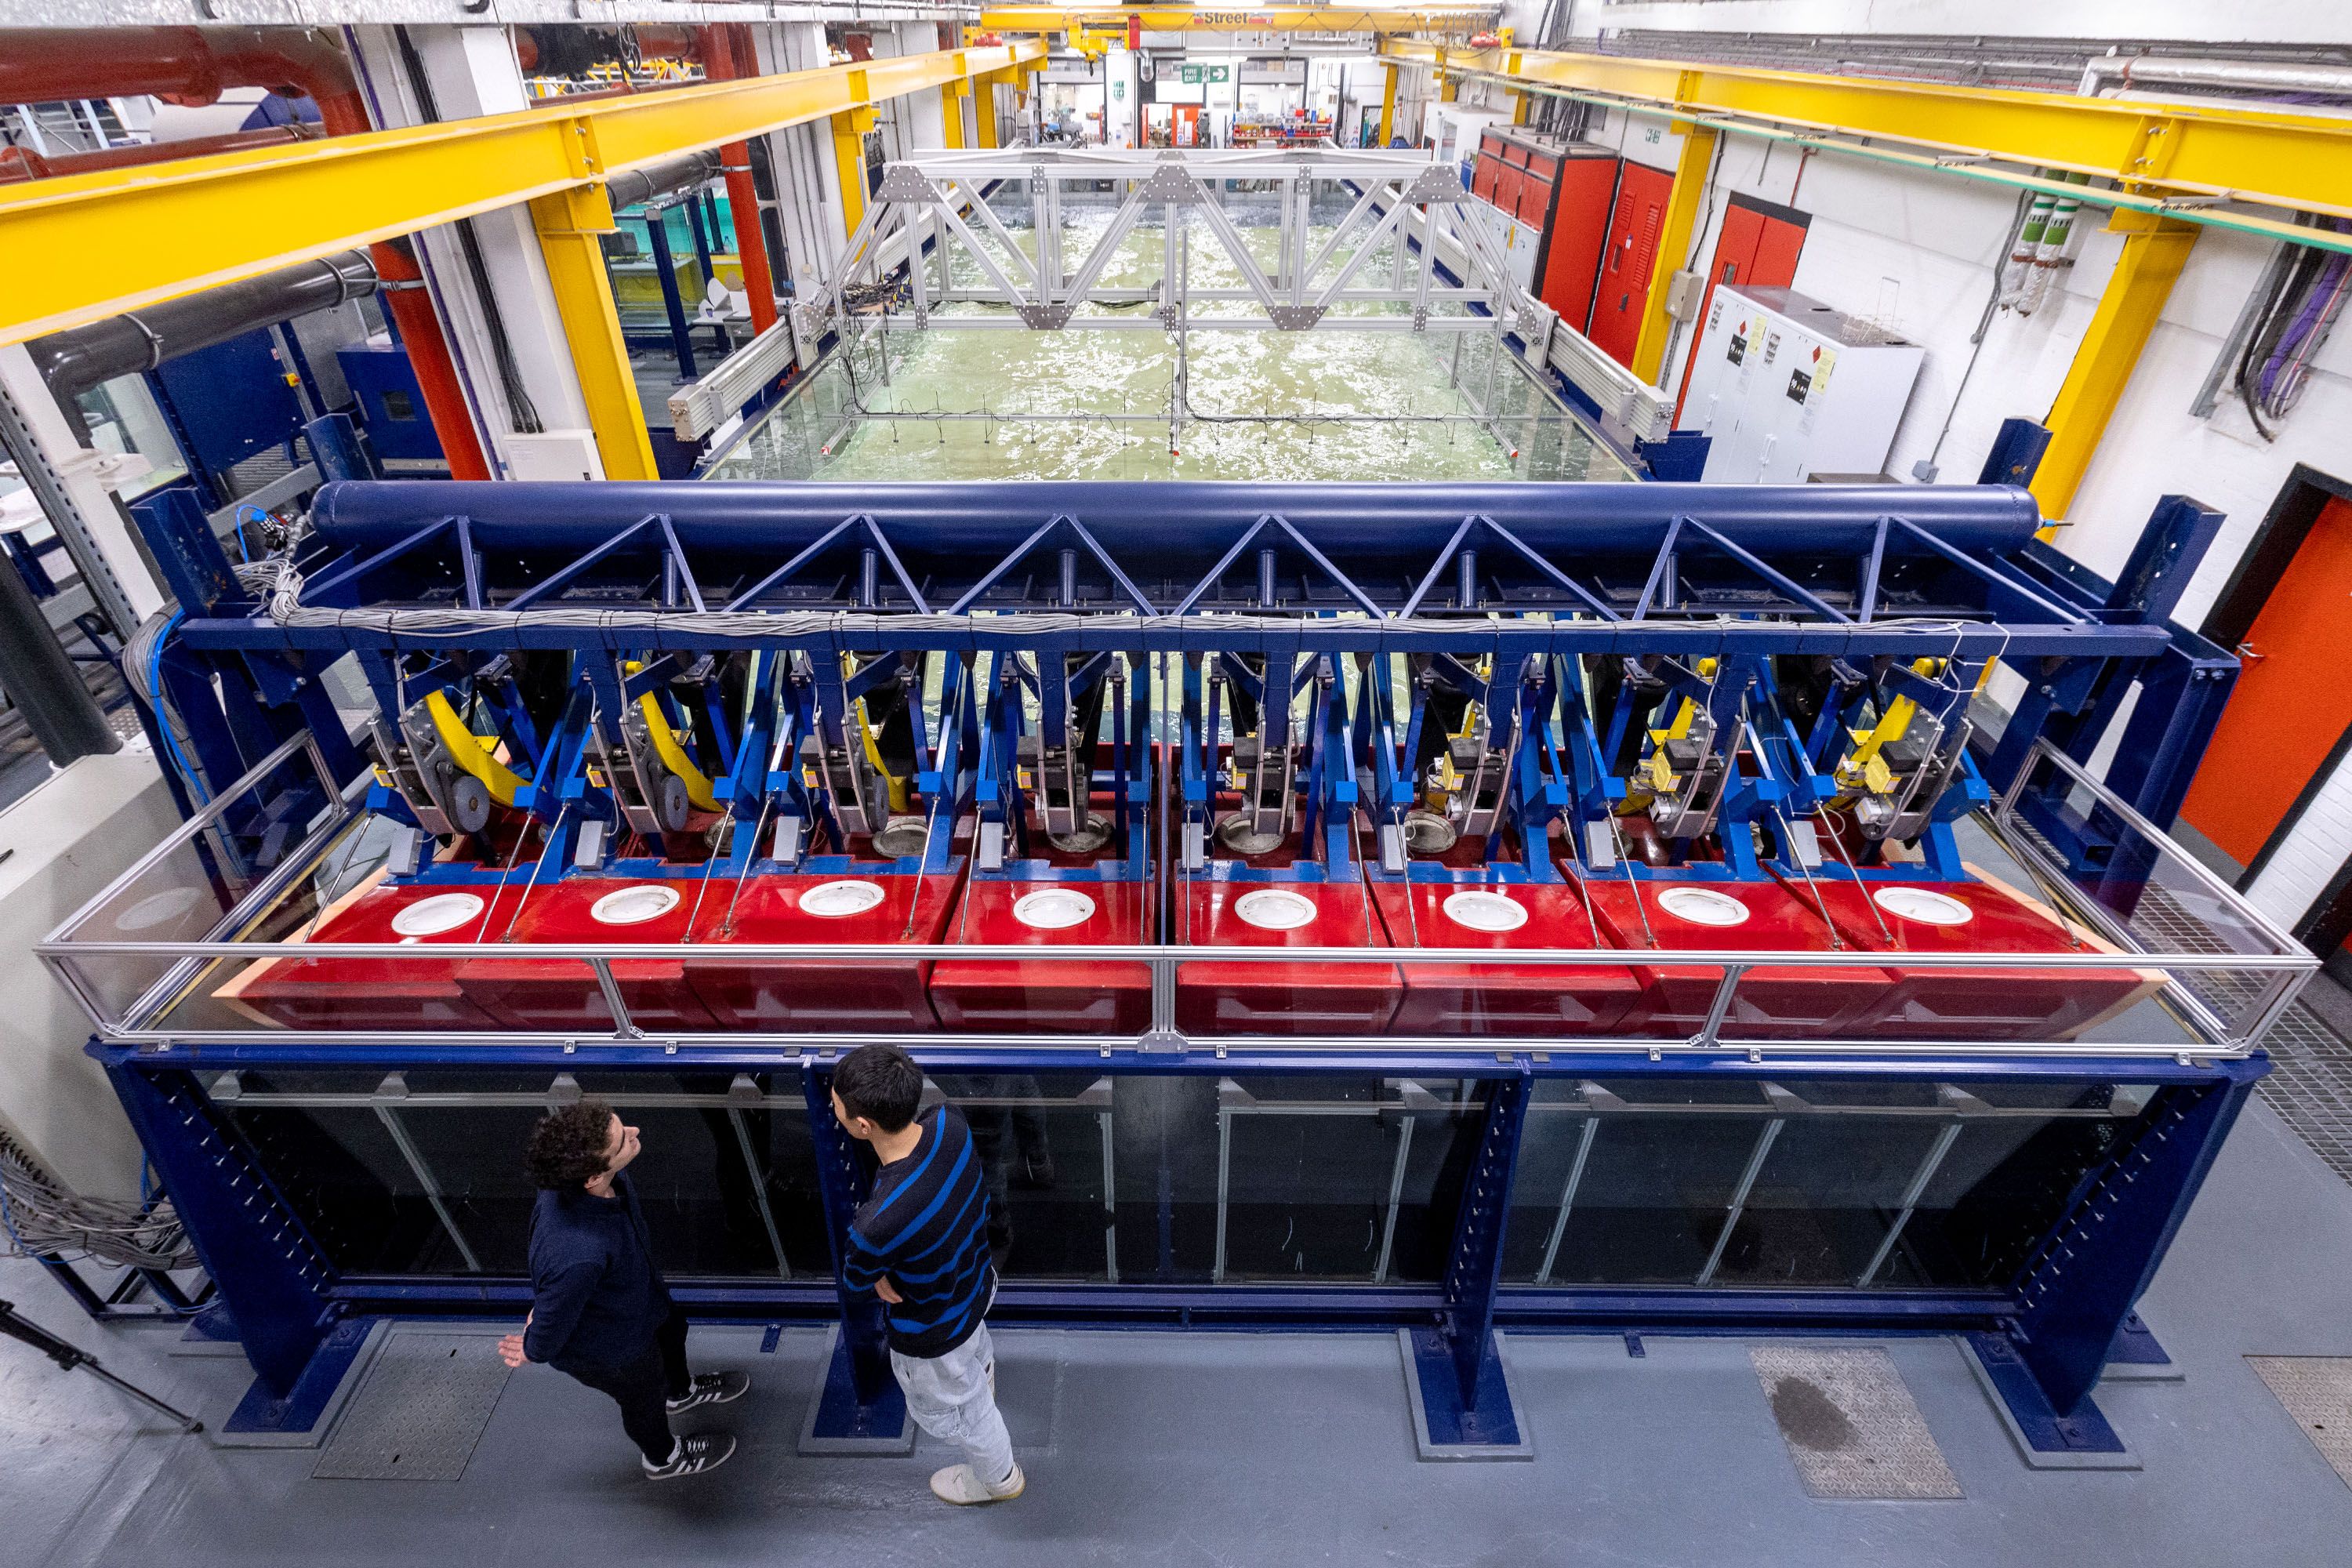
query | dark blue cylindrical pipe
(1176,523)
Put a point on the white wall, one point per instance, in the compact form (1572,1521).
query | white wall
(1915,251)
(2241,21)
(69,837)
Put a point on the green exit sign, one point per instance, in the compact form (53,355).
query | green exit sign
(1189,75)
(1221,73)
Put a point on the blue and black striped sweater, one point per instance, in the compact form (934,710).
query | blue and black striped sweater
(925,1229)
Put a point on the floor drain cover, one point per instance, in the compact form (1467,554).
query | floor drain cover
(421,1411)
(1850,1424)
(2317,1392)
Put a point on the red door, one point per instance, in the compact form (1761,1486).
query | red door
(1624,292)
(1579,223)
(1757,245)
(2292,703)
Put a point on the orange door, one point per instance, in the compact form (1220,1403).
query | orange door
(2292,703)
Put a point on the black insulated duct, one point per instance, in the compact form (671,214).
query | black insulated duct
(635,187)
(74,361)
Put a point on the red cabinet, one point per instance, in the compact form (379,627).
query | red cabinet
(1561,190)
(1622,294)
(1758,245)
(1580,221)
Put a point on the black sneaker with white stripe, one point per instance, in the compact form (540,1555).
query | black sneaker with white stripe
(711,1388)
(703,1451)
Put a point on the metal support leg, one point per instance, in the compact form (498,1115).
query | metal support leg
(2079,1289)
(857,1408)
(759,1179)
(1568,1198)
(1462,1406)
(681,336)
(1739,1205)
(426,1179)
(1110,1203)
(1396,1196)
(272,1276)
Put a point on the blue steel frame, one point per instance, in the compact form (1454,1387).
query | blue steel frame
(2043,1338)
(1718,582)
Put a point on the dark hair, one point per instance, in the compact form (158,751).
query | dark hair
(567,1147)
(881,1083)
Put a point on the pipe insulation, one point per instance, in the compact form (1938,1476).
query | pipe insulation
(635,188)
(76,360)
(2258,77)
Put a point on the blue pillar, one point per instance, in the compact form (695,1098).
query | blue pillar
(1461,1395)
(2078,1291)
(2016,454)
(701,239)
(681,337)
(335,447)
(272,1276)
(857,1408)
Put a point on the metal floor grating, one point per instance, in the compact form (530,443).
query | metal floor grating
(2310,1081)
(2310,1084)
(1852,1429)
(421,1410)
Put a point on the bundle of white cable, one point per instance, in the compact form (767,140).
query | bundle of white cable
(43,1216)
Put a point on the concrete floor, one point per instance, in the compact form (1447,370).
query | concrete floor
(1163,1448)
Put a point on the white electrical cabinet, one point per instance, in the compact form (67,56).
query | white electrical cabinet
(1788,387)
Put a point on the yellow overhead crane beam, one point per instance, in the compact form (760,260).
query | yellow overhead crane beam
(89,247)
(2178,167)
(1460,20)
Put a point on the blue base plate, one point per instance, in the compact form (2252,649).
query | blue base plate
(1443,1428)
(838,1425)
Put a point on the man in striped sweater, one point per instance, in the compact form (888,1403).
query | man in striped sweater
(920,1243)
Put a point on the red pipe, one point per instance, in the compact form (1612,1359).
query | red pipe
(21,164)
(722,63)
(193,65)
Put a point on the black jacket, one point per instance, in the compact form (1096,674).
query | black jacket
(597,1296)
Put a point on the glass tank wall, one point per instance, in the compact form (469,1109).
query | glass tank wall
(1130,402)
(1193,1179)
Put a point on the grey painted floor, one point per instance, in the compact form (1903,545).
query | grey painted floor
(1161,1448)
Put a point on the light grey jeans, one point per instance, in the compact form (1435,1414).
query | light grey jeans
(950,1396)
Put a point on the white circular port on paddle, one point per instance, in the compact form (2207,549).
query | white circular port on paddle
(1275,908)
(833,900)
(431,917)
(634,906)
(1484,911)
(1921,904)
(1703,907)
(158,909)
(1053,909)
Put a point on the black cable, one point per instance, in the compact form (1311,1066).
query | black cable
(2287,290)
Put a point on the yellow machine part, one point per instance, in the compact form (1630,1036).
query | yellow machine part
(472,752)
(674,757)
(896,786)
(1864,768)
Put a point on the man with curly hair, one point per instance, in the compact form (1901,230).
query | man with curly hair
(599,1311)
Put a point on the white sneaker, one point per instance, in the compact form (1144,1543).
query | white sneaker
(957,1484)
